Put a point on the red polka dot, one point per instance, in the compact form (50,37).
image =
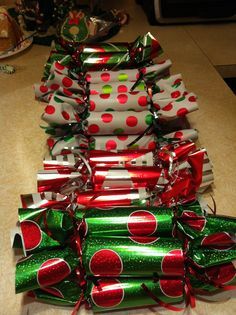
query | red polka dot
(131,121)
(168,107)
(59,66)
(173,263)
(142,101)
(54,291)
(185,93)
(88,78)
(93,92)
(221,274)
(122,98)
(49,109)
(175,94)
(107,118)
(144,239)
(220,241)
(104,96)
(67,92)
(92,106)
(93,128)
(192,98)
(54,86)
(172,288)
(79,101)
(177,81)
(52,271)
(137,76)
(65,115)
(182,112)
(67,82)
(105,76)
(157,106)
(111,145)
(106,262)
(122,138)
(108,294)
(77,118)
(31,234)
(178,134)
(43,89)
(122,89)
(193,220)
(50,142)
(152,145)
(141,223)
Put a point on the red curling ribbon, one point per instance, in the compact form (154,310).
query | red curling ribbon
(77,305)
(159,302)
(190,298)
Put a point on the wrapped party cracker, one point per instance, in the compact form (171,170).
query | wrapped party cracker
(158,70)
(116,294)
(117,55)
(135,256)
(168,179)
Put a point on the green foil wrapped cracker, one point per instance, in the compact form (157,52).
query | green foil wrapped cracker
(135,256)
(115,294)
(44,228)
(45,268)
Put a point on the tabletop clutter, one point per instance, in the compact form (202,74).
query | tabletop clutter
(118,220)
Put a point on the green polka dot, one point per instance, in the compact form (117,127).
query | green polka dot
(92,145)
(134,146)
(107,89)
(123,77)
(109,110)
(131,110)
(58,100)
(148,119)
(180,99)
(141,86)
(118,131)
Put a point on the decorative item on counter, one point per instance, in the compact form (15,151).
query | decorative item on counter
(7,69)
(80,143)
(98,158)
(108,56)
(50,252)
(81,27)
(171,179)
(12,39)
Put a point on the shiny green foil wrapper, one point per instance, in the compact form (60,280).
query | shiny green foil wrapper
(44,269)
(207,229)
(136,256)
(124,293)
(44,228)
(114,294)
(213,279)
(126,221)
(66,293)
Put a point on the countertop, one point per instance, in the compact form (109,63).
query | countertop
(23,142)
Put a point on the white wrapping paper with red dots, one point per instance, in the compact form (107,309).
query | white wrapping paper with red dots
(160,69)
(67,145)
(62,110)
(168,108)
(115,123)
(168,87)
(121,142)
(184,134)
